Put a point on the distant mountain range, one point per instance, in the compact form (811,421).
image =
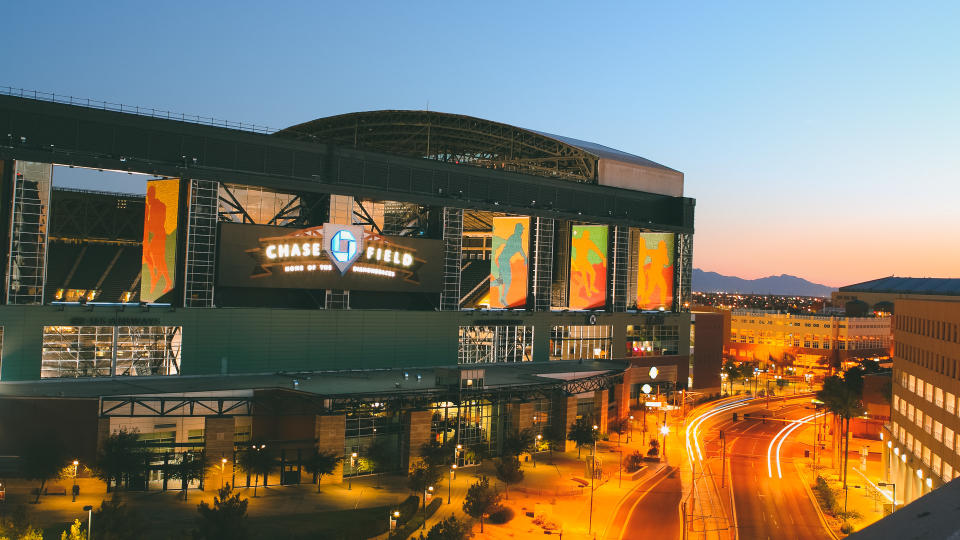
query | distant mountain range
(781,285)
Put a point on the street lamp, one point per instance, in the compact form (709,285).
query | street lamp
(76,465)
(353,466)
(630,439)
(894,486)
(223,465)
(664,429)
(453,469)
(392,519)
(536,448)
(456,454)
(89,510)
(593,474)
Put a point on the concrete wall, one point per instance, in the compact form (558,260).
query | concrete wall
(708,350)
(639,178)
(71,423)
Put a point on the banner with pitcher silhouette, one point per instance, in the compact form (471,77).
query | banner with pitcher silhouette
(588,267)
(655,259)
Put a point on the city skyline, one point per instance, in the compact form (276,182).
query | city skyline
(816,143)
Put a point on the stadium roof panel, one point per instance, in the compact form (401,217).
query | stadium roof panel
(466,140)
(907,285)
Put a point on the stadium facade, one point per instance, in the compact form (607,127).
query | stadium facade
(379,278)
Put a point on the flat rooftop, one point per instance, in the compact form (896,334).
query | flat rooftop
(325,383)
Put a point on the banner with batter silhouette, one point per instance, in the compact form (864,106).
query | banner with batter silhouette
(655,271)
(159,239)
(509,261)
(588,267)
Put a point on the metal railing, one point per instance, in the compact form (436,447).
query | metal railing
(132,109)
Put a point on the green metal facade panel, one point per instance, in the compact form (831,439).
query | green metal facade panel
(271,340)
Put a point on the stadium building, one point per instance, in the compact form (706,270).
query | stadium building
(382,278)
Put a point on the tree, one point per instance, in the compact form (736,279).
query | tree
(842,397)
(508,472)
(518,442)
(654,449)
(117,521)
(619,426)
(380,456)
(582,433)
(225,520)
(188,466)
(258,462)
(121,457)
(17,524)
(75,532)
(555,436)
(420,477)
(438,454)
(481,499)
(322,463)
(43,460)
(449,529)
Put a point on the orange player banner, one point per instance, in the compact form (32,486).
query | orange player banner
(509,262)
(159,239)
(655,271)
(588,267)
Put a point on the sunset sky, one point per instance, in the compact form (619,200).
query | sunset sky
(819,139)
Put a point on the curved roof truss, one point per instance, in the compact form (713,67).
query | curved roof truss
(452,138)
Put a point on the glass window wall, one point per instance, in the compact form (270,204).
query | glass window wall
(104,351)
(495,344)
(581,342)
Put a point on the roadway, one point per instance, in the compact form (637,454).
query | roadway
(770,501)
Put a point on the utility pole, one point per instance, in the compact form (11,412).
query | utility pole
(723,459)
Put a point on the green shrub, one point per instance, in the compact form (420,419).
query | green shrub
(408,508)
(501,515)
(413,522)
(633,462)
(846,528)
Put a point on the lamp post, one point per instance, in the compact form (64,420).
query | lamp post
(353,466)
(894,486)
(456,458)
(453,469)
(89,510)
(630,438)
(392,519)
(76,465)
(536,448)
(593,474)
(664,429)
(223,465)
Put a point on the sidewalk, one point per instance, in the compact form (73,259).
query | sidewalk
(863,496)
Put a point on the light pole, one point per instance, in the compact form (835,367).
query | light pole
(630,438)
(392,519)
(664,429)
(453,469)
(593,474)
(894,486)
(89,510)
(223,465)
(536,448)
(76,465)
(353,466)
(456,458)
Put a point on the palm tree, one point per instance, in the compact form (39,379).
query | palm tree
(841,397)
(257,461)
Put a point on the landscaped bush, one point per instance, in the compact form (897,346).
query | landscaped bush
(633,462)
(501,515)
(846,528)
(411,524)
(826,495)
(408,508)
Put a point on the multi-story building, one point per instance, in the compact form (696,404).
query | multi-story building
(379,278)
(922,448)
(808,341)
(882,294)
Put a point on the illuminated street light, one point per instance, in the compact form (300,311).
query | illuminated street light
(353,466)
(89,510)
(223,465)
(76,465)
(664,429)
(593,474)
(453,469)
(536,448)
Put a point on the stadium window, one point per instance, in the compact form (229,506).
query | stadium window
(950,403)
(937,430)
(948,437)
(90,351)
(938,397)
(581,342)
(483,344)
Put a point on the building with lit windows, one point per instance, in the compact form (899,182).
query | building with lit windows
(380,278)
(805,341)
(882,294)
(922,448)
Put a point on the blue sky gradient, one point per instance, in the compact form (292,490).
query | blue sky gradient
(819,139)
